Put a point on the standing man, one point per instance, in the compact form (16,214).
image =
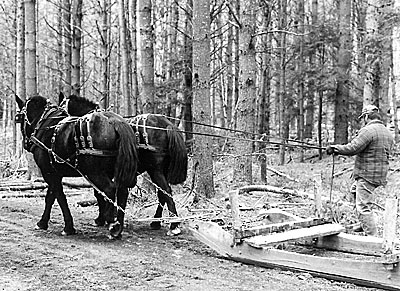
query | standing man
(372,147)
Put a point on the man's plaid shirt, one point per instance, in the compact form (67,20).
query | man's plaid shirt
(372,147)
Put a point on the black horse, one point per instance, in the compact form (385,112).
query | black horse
(162,152)
(99,146)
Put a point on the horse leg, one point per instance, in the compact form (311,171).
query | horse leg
(164,196)
(117,227)
(55,191)
(43,223)
(100,220)
(106,208)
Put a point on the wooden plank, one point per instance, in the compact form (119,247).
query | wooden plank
(282,226)
(356,244)
(295,234)
(362,272)
(389,230)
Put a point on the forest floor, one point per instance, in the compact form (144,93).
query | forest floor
(145,259)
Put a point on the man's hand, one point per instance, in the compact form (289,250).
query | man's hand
(331,150)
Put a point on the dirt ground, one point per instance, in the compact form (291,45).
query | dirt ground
(144,259)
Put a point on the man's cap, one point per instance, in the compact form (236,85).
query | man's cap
(368,109)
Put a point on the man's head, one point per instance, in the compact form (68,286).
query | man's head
(370,112)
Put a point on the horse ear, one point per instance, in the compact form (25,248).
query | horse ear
(61,97)
(20,102)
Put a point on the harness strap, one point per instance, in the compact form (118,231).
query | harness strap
(105,197)
(136,122)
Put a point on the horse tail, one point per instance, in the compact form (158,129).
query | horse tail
(126,165)
(177,169)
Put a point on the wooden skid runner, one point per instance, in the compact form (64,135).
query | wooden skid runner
(367,272)
(295,234)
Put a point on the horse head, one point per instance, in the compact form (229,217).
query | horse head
(76,105)
(29,115)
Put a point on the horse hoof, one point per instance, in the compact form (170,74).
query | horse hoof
(99,222)
(118,237)
(155,225)
(68,232)
(41,226)
(115,230)
(174,232)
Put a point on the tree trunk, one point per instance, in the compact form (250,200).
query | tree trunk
(343,81)
(247,91)
(283,122)
(30,67)
(395,72)
(126,94)
(104,54)
(76,47)
(187,78)
(146,56)
(20,88)
(67,34)
(30,47)
(300,29)
(134,70)
(373,60)
(202,160)
(309,109)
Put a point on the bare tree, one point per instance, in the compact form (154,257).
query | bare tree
(30,47)
(145,55)
(202,160)
(124,59)
(104,28)
(343,84)
(67,36)
(373,61)
(247,92)
(76,47)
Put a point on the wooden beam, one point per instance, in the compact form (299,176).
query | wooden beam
(295,234)
(282,226)
(390,223)
(364,272)
(356,244)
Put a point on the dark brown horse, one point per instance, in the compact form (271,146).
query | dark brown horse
(99,146)
(162,152)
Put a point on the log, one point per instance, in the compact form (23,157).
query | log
(278,190)
(22,187)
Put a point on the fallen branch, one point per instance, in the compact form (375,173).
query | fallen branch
(282,174)
(34,186)
(342,172)
(274,189)
(31,195)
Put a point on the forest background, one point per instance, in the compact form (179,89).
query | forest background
(239,77)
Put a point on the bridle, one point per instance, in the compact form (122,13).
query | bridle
(26,124)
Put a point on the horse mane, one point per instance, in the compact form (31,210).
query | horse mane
(83,100)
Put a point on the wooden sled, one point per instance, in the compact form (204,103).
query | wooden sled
(258,246)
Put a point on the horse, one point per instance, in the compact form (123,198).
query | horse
(162,153)
(99,146)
